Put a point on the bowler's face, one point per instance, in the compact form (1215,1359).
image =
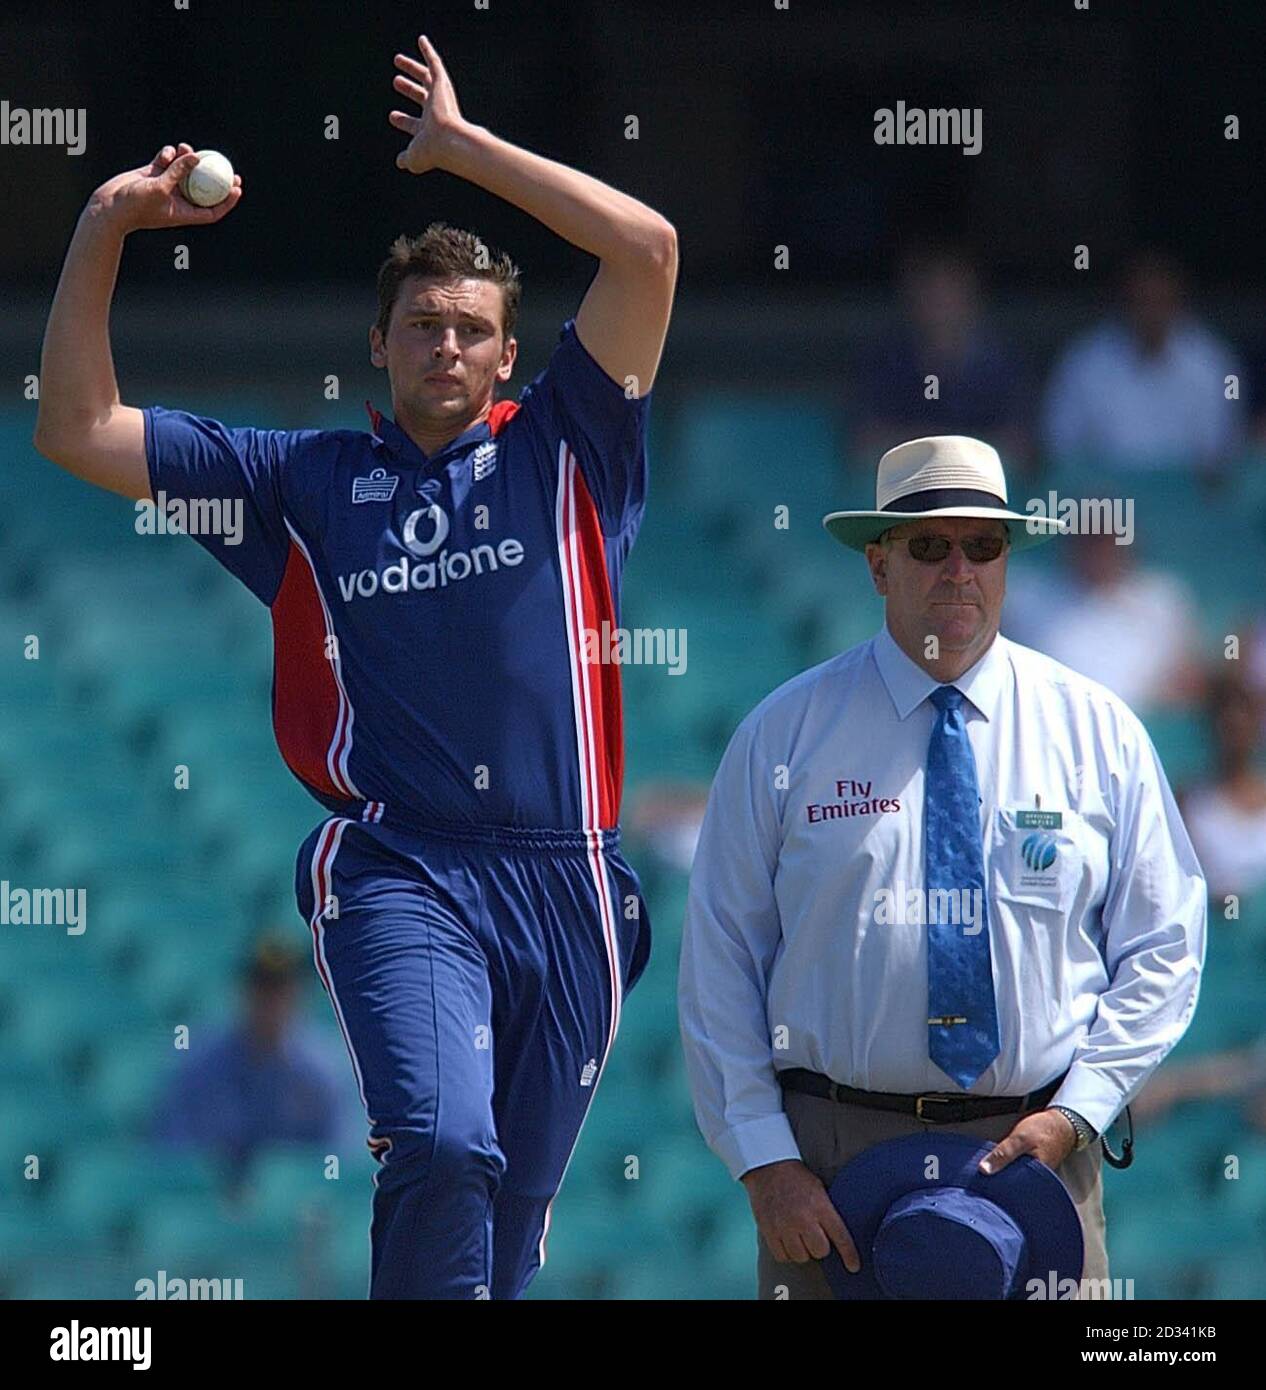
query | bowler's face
(955,600)
(449,328)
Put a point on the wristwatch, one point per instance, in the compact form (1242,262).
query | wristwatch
(1085,1135)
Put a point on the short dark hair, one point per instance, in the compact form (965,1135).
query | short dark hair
(271,963)
(447,253)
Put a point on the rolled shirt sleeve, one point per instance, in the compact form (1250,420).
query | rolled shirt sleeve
(1154,923)
(731,936)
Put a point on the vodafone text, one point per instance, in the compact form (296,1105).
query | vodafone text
(449,567)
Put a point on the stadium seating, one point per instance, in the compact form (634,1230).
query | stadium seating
(152,658)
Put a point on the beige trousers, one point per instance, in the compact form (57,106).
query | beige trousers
(829,1133)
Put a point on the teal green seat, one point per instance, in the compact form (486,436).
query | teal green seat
(1182,743)
(674,1273)
(671,553)
(128,1073)
(74,1277)
(622,1124)
(690,1189)
(1230,1008)
(74,1013)
(288,1186)
(1159,1243)
(590,1239)
(656,749)
(1235,1275)
(648,1037)
(731,1251)
(1242,1200)
(743,454)
(114,1179)
(733,660)
(37,1124)
(199,1236)
(1178,1150)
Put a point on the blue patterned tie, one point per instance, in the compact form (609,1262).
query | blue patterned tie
(963,1040)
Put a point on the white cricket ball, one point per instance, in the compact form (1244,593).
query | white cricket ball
(209,181)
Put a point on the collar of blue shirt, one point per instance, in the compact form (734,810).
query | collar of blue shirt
(402,447)
(908,684)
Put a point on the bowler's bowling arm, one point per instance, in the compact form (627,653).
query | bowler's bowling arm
(82,426)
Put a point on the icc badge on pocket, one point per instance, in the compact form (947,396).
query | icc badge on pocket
(1036,856)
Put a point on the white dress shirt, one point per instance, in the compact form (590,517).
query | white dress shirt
(1110,401)
(817,808)
(1129,636)
(1230,840)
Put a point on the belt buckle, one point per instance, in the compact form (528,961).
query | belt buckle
(921,1101)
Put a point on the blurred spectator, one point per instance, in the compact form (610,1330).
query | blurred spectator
(264,1079)
(1147,389)
(1226,816)
(1239,1073)
(666,817)
(1126,625)
(1253,656)
(980,389)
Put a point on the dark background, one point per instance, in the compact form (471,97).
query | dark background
(756,127)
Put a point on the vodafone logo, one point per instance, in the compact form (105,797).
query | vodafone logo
(437,519)
(424,533)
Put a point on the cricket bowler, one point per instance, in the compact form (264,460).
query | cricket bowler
(431,583)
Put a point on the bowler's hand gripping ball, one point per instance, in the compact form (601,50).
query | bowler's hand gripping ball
(209,181)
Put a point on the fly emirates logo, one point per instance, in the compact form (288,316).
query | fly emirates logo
(436,567)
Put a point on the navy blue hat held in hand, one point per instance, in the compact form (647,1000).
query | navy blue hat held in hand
(963,1234)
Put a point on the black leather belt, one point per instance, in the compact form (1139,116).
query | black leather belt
(934,1108)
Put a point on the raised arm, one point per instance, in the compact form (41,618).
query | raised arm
(82,426)
(623,318)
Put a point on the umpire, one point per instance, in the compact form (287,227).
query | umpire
(941,881)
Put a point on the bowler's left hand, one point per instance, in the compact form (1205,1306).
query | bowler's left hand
(1046,1134)
(428,84)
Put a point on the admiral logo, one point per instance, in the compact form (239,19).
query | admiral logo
(588,1072)
(380,486)
(424,533)
(484,460)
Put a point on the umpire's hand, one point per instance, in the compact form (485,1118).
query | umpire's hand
(795,1217)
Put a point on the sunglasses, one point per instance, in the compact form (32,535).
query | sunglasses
(933,549)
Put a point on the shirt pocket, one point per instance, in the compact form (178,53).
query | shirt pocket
(1038,859)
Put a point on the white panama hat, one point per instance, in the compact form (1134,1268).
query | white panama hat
(942,475)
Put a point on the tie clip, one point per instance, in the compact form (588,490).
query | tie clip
(946,1018)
